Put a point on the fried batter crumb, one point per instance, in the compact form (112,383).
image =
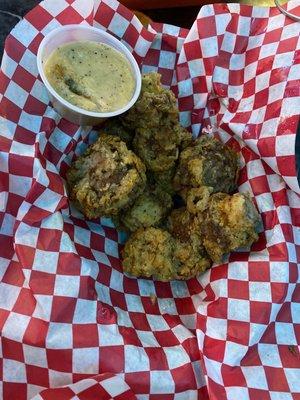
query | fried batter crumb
(153,299)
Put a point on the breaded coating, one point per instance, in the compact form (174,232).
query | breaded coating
(154,104)
(185,226)
(149,209)
(186,138)
(106,178)
(207,162)
(114,126)
(155,119)
(157,156)
(152,126)
(162,180)
(230,222)
(190,252)
(150,252)
(154,252)
(193,260)
(197,199)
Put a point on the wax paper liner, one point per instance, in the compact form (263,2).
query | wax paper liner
(72,325)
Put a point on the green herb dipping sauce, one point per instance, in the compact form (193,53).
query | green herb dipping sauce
(90,75)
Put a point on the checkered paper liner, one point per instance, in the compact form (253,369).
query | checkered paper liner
(72,325)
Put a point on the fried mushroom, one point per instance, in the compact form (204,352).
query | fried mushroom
(155,119)
(230,222)
(157,156)
(190,252)
(155,105)
(106,178)
(154,252)
(150,253)
(207,162)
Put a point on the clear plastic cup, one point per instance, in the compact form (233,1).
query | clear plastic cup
(73,33)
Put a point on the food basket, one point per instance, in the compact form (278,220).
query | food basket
(73,326)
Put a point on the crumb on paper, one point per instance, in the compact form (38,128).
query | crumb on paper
(153,299)
(293,350)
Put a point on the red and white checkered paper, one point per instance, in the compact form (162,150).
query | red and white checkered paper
(72,325)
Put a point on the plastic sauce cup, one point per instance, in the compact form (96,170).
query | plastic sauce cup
(74,33)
